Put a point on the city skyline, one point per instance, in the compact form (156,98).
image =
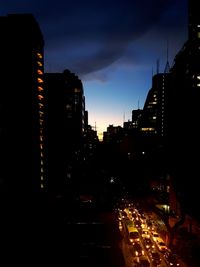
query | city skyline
(112,46)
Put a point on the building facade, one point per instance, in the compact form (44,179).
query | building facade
(22,107)
(66,126)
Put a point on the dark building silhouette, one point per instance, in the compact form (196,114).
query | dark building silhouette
(136,115)
(184,131)
(152,124)
(66,126)
(22,107)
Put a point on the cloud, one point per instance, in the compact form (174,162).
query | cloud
(87,36)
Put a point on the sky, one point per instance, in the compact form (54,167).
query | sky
(112,45)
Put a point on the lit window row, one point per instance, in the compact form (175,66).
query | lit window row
(40,97)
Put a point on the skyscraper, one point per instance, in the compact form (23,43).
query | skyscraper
(184,113)
(22,106)
(66,126)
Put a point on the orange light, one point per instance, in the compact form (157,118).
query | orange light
(39,80)
(39,72)
(40,88)
(40,97)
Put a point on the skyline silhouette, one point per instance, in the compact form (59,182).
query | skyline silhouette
(112,46)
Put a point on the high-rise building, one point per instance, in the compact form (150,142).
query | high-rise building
(184,130)
(66,126)
(154,120)
(22,106)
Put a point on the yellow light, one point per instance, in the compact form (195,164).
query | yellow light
(39,55)
(39,63)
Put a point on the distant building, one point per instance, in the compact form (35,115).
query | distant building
(136,116)
(153,120)
(22,107)
(113,135)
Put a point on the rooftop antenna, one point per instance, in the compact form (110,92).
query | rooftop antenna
(138,103)
(123,117)
(95,127)
(157,66)
(167,67)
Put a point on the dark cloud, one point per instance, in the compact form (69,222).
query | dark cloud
(71,28)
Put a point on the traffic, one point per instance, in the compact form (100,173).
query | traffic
(142,243)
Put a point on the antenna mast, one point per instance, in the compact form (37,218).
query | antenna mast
(157,65)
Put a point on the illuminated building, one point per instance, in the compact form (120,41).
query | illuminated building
(153,121)
(22,106)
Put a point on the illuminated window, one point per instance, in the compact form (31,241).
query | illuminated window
(40,97)
(69,107)
(40,88)
(41,146)
(41,105)
(39,72)
(39,63)
(41,155)
(39,55)
(42,170)
(41,138)
(39,80)
(148,129)
(41,185)
(77,90)
(42,178)
(41,113)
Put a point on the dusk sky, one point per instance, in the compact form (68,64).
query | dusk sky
(112,45)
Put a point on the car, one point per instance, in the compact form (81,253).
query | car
(137,250)
(141,262)
(171,259)
(155,235)
(161,245)
(155,258)
(148,243)
(144,262)
(145,233)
